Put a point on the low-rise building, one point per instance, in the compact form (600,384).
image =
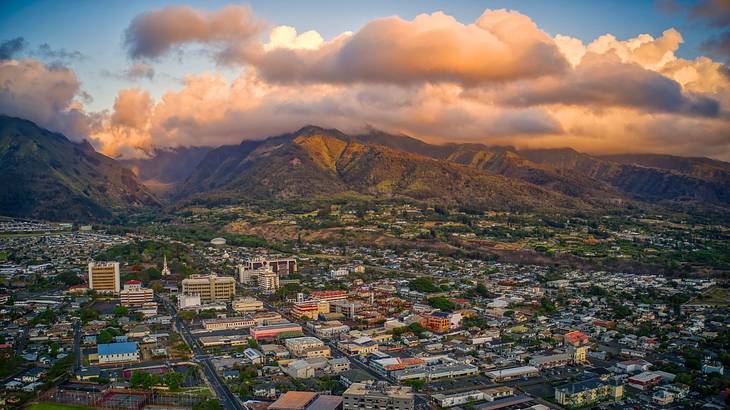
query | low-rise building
(307,346)
(377,396)
(588,391)
(118,352)
(210,287)
(247,304)
(275,330)
(310,309)
(229,323)
(513,373)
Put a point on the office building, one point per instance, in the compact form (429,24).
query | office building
(104,277)
(135,295)
(377,396)
(282,266)
(210,287)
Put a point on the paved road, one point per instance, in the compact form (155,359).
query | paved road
(216,382)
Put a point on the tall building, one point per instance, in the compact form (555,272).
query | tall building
(210,287)
(282,266)
(104,277)
(165,269)
(377,396)
(135,295)
(268,281)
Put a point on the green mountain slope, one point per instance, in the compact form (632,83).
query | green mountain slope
(46,176)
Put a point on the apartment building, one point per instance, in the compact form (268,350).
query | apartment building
(588,392)
(268,281)
(210,287)
(104,277)
(135,295)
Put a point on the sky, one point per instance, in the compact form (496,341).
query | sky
(598,76)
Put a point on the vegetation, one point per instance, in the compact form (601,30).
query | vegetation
(423,284)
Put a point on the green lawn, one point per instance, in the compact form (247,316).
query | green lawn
(55,406)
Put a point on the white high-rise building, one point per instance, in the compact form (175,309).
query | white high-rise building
(268,281)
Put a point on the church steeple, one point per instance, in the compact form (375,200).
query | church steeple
(165,269)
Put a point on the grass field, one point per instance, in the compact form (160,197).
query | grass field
(55,406)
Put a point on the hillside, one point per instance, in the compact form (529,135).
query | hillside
(314,163)
(44,175)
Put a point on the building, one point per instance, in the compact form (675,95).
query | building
(118,352)
(457,399)
(282,266)
(438,322)
(210,287)
(247,304)
(644,380)
(513,373)
(232,340)
(587,392)
(360,346)
(329,295)
(268,281)
(551,360)
(377,396)
(135,295)
(310,309)
(188,301)
(301,400)
(104,277)
(165,270)
(307,346)
(228,323)
(275,331)
(575,338)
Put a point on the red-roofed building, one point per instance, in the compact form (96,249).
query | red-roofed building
(329,295)
(575,338)
(134,295)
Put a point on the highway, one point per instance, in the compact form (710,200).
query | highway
(228,400)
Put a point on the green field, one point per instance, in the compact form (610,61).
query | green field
(55,406)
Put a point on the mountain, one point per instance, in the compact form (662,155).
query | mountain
(318,163)
(633,176)
(165,168)
(645,177)
(46,176)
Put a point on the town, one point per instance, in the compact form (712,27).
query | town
(163,317)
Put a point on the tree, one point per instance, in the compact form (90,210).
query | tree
(423,285)
(173,380)
(417,385)
(120,311)
(69,278)
(144,380)
(482,290)
(442,303)
(208,404)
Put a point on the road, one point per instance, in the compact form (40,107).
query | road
(228,400)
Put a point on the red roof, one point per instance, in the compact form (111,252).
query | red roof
(133,282)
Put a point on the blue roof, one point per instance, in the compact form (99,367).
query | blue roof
(117,348)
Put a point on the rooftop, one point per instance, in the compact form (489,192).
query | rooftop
(117,348)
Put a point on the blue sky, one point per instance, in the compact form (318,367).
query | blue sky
(95,28)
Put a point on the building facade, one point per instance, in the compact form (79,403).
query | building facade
(104,277)
(377,396)
(210,287)
(135,295)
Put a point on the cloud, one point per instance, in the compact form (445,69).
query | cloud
(155,33)
(60,56)
(718,46)
(12,47)
(601,81)
(136,72)
(715,13)
(500,46)
(44,94)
